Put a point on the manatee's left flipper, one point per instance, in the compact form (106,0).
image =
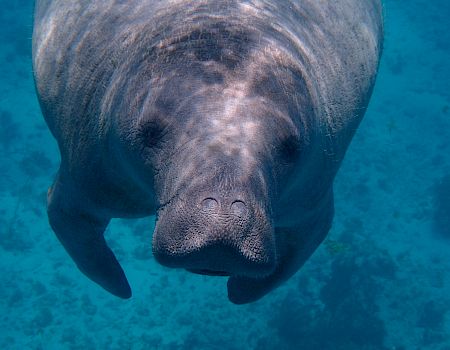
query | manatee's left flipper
(81,233)
(242,290)
(295,245)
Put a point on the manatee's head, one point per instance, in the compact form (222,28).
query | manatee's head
(223,130)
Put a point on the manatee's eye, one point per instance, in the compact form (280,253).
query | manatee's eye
(290,149)
(152,133)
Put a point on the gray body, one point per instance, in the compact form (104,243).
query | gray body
(226,119)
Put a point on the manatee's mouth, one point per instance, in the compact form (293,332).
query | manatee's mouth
(209,272)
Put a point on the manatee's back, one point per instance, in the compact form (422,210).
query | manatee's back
(82,53)
(73,59)
(338,43)
(66,60)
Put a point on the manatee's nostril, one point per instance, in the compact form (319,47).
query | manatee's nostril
(239,208)
(209,203)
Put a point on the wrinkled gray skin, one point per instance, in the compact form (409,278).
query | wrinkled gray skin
(226,119)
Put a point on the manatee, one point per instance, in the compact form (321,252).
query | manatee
(227,120)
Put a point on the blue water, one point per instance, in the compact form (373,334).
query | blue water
(380,281)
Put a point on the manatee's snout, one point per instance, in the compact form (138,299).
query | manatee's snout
(224,234)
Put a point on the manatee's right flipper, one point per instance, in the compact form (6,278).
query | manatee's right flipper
(81,233)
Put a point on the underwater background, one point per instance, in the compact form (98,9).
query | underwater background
(381,280)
